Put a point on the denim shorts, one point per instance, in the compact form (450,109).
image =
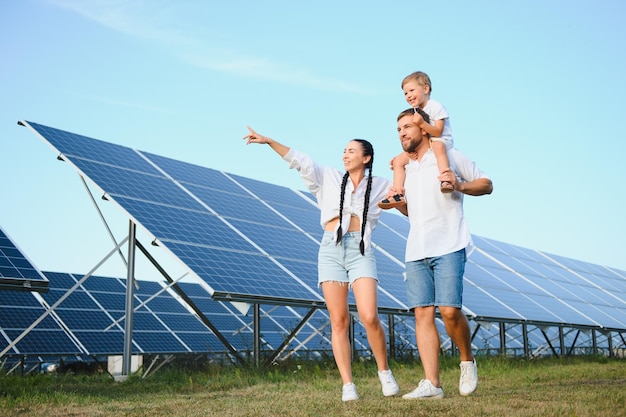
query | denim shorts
(344,262)
(436,281)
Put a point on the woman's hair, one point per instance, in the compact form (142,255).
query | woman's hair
(421,77)
(368,150)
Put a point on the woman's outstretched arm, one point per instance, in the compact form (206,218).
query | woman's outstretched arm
(254,137)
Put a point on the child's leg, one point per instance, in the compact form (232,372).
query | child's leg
(397,164)
(398,176)
(439,148)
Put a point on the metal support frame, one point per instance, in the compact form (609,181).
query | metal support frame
(391,324)
(594,341)
(257,334)
(571,349)
(167,359)
(293,334)
(502,339)
(475,332)
(191,304)
(130,296)
(525,337)
(545,335)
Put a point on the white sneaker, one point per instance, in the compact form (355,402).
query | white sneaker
(390,386)
(348,392)
(469,377)
(425,389)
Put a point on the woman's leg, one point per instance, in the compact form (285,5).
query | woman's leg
(366,296)
(336,297)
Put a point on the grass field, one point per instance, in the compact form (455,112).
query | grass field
(579,386)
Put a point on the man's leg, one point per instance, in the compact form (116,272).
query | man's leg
(428,344)
(458,329)
(449,271)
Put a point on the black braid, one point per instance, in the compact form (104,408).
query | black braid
(341,197)
(366,207)
(368,150)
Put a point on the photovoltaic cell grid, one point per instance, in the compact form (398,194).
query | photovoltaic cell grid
(94,314)
(18,311)
(267,252)
(16,271)
(515,283)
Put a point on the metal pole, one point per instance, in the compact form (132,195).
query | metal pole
(525,337)
(392,336)
(594,341)
(502,339)
(257,334)
(130,287)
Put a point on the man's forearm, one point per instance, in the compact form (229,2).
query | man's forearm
(477,187)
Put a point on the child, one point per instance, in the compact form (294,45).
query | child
(417,88)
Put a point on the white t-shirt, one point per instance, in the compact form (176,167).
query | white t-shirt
(437,111)
(437,223)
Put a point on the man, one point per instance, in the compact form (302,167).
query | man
(436,252)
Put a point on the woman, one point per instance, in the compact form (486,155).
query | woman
(346,258)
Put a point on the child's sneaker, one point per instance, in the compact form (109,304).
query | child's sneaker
(390,386)
(396,201)
(348,392)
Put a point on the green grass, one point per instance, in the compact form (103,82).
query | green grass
(579,386)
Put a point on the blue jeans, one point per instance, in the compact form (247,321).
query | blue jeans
(436,281)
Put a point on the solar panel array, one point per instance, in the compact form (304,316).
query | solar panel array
(267,253)
(90,321)
(518,284)
(16,271)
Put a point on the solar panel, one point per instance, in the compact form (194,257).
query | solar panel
(94,315)
(16,270)
(18,311)
(256,242)
(576,292)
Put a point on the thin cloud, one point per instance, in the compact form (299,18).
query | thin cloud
(270,70)
(130,105)
(134,18)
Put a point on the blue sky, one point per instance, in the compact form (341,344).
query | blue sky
(535,92)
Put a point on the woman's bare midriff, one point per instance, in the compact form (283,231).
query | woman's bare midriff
(355,224)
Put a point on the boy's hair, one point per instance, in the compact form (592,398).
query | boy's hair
(421,77)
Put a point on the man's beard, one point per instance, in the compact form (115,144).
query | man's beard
(411,147)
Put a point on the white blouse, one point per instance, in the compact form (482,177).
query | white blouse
(325,184)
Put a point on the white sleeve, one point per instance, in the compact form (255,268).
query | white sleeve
(311,173)
(464,167)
